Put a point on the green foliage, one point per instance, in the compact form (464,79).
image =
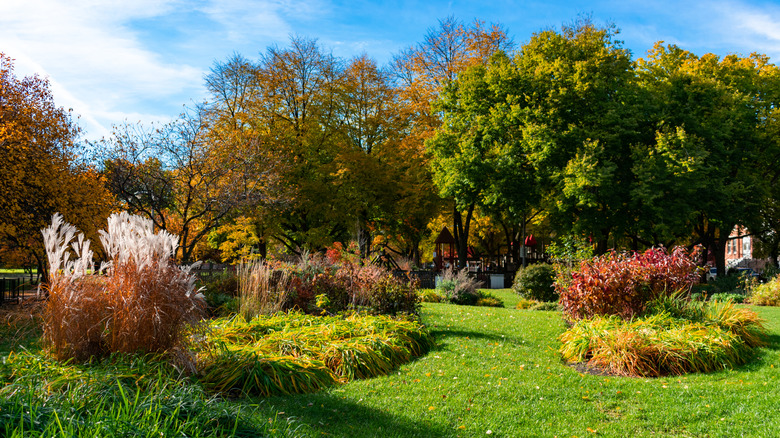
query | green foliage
(296,353)
(392,296)
(458,288)
(549,306)
(220,293)
(570,249)
(725,296)
(767,294)
(488,300)
(124,395)
(430,296)
(525,303)
(729,283)
(623,284)
(536,282)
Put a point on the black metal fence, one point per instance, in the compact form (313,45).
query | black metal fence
(427,279)
(10,289)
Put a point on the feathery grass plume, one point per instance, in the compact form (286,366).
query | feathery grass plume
(140,301)
(262,289)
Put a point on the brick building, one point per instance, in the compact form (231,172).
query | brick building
(739,247)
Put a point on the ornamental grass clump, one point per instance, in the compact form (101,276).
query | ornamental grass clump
(458,288)
(296,353)
(139,301)
(677,337)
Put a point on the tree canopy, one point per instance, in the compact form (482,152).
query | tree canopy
(42,167)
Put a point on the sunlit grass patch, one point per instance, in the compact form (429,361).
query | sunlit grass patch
(122,395)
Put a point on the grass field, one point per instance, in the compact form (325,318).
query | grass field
(496,372)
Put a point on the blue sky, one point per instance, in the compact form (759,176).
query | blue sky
(143,60)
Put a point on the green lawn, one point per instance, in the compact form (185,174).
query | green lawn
(497,372)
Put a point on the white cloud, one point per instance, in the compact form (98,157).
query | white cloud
(90,50)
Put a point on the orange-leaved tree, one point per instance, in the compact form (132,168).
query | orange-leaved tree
(41,168)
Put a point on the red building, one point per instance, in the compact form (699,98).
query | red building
(739,247)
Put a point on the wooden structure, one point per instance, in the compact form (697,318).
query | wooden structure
(445,255)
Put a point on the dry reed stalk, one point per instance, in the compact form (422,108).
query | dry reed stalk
(262,289)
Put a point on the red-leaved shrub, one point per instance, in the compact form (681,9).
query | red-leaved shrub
(623,283)
(332,283)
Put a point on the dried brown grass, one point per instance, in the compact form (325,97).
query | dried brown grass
(141,304)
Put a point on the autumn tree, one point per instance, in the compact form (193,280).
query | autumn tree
(43,171)
(336,131)
(177,177)
(424,70)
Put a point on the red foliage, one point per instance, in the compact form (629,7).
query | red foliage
(623,283)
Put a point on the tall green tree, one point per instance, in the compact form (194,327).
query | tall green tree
(717,116)
(422,73)
(578,113)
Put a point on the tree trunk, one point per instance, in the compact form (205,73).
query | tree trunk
(462,233)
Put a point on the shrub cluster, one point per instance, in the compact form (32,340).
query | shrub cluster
(680,336)
(536,282)
(296,353)
(324,285)
(767,294)
(623,283)
(140,301)
(458,288)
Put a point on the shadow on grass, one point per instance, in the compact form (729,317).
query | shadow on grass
(773,342)
(328,414)
(443,334)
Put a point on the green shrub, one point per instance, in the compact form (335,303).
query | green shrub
(536,282)
(734,297)
(730,283)
(225,283)
(458,288)
(392,296)
(767,294)
(549,306)
(487,300)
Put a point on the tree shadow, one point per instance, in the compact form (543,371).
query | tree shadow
(443,334)
(334,416)
(773,342)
